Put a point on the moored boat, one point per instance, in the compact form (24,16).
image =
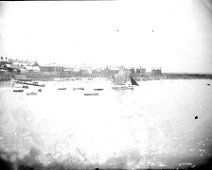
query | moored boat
(123,87)
(63,88)
(79,88)
(33,83)
(17,86)
(25,87)
(91,94)
(98,89)
(18,90)
(123,80)
(31,94)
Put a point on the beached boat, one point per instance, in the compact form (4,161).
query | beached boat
(18,90)
(91,94)
(79,88)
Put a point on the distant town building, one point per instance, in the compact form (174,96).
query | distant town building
(21,66)
(32,68)
(52,68)
(132,71)
(140,71)
(156,72)
(110,71)
(86,72)
(10,67)
(107,72)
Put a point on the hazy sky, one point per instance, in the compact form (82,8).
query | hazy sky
(173,34)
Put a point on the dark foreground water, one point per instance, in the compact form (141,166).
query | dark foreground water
(159,124)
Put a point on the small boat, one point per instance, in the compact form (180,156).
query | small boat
(33,83)
(122,88)
(31,94)
(39,90)
(123,80)
(91,94)
(18,90)
(18,86)
(79,88)
(61,88)
(98,89)
(25,87)
(133,82)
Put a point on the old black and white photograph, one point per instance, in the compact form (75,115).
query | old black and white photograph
(98,85)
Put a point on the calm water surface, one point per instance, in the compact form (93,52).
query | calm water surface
(165,123)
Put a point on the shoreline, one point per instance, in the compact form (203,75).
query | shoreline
(52,76)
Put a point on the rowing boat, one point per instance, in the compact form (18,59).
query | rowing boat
(91,94)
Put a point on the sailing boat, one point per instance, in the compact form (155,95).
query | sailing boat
(123,80)
(133,82)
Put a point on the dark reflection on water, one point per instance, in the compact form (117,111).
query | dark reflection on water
(11,161)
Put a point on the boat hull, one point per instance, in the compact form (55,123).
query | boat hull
(98,89)
(61,88)
(20,91)
(79,88)
(123,88)
(91,94)
(31,94)
(32,84)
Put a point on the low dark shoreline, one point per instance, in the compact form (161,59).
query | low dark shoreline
(49,76)
(185,76)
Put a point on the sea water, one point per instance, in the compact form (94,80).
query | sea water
(162,123)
